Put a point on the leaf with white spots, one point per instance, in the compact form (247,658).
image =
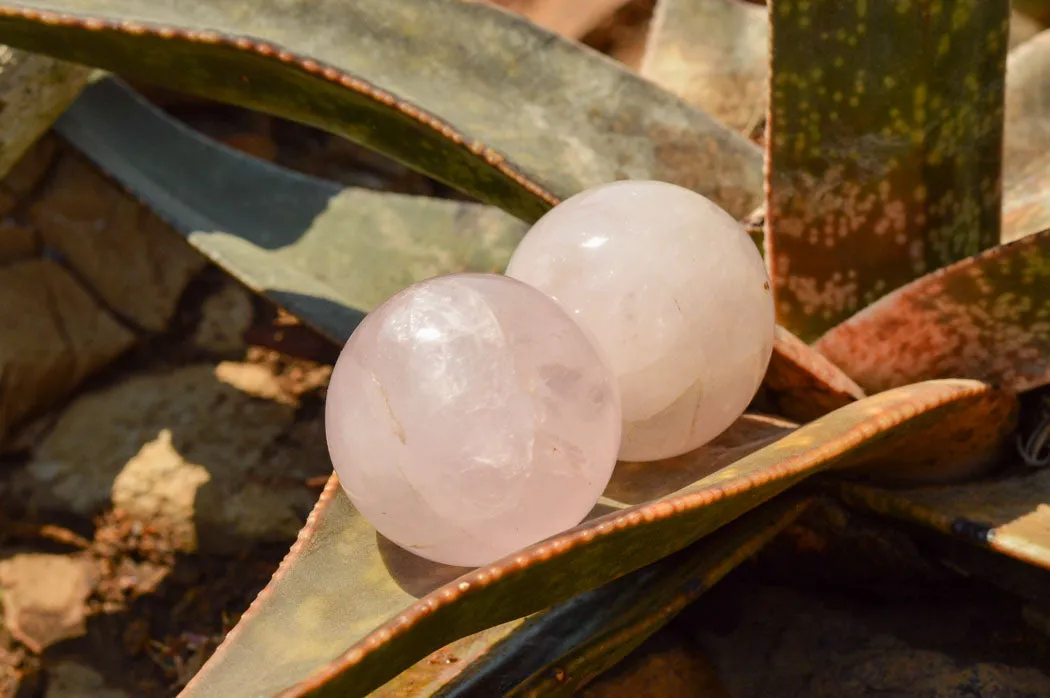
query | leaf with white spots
(884,156)
(987,317)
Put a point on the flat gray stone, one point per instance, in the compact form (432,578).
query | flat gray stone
(187,452)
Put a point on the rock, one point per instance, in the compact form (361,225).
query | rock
(27,173)
(774,641)
(71,679)
(44,596)
(225,316)
(186,452)
(100,229)
(17,242)
(158,484)
(54,336)
(254,379)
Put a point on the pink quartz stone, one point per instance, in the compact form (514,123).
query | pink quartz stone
(676,296)
(469,416)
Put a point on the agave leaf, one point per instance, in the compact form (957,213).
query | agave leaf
(347,611)
(884,156)
(1026,147)
(326,253)
(330,254)
(481,104)
(802,384)
(556,652)
(1009,515)
(714,54)
(987,317)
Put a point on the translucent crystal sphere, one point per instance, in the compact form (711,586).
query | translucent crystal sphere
(676,296)
(469,416)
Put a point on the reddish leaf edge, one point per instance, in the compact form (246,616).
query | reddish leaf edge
(886,306)
(813,460)
(306,64)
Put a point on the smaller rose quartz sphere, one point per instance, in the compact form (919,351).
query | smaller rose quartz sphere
(676,296)
(468,416)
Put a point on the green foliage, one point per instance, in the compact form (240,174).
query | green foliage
(463,104)
(344,589)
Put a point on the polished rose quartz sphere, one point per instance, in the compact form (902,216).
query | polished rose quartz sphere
(469,416)
(676,296)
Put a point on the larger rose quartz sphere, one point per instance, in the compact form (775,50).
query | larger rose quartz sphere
(469,416)
(675,294)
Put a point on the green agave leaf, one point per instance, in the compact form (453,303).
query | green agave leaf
(1009,515)
(987,317)
(490,103)
(714,54)
(330,254)
(1026,146)
(326,253)
(556,652)
(884,156)
(347,611)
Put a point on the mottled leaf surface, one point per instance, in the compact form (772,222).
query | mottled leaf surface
(326,253)
(1026,145)
(555,652)
(884,156)
(491,104)
(987,317)
(1010,515)
(362,610)
(714,54)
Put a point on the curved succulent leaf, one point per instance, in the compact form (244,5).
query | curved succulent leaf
(802,384)
(714,54)
(1009,515)
(326,253)
(987,317)
(481,104)
(555,652)
(884,156)
(1026,146)
(329,254)
(650,600)
(344,589)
